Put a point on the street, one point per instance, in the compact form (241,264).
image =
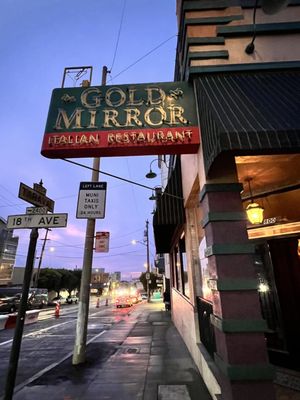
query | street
(50,341)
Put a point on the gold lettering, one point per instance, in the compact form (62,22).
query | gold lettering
(133,136)
(111,138)
(118,137)
(141,137)
(159,99)
(160,135)
(83,140)
(116,103)
(92,119)
(62,117)
(132,115)
(96,100)
(94,139)
(132,101)
(110,116)
(169,136)
(179,136)
(176,113)
(188,133)
(156,110)
(126,138)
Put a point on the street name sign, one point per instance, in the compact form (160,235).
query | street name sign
(35,197)
(91,200)
(36,210)
(37,221)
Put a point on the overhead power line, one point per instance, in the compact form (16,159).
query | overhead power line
(141,58)
(120,178)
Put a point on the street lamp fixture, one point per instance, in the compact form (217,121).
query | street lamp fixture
(146,243)
(151,174)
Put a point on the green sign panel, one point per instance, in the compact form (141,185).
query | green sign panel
(156,118)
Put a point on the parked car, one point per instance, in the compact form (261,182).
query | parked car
(8,304)
(56,300)
(123,301)
(72,299)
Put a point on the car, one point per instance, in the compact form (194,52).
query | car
(144,296)
(72,299)
(56,300)
(123,301)
(8,304)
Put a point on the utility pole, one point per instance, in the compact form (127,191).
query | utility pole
(79,352)
(148,260)
(41,257)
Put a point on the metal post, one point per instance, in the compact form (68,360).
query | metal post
(79,352)
(148,260)
(16,345)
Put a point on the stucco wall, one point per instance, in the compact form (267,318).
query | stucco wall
(185,320)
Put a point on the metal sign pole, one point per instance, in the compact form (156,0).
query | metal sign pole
(16,345)
(79,352)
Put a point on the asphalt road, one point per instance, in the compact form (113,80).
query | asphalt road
(48,342)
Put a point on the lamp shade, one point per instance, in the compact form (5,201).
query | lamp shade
(255,213)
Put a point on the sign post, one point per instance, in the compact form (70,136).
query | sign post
(33,221)
(16,345)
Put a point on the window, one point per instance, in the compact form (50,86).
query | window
(179,268)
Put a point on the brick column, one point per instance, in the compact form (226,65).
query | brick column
(241,354)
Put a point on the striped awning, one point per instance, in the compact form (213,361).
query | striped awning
(249,113)
(169,214)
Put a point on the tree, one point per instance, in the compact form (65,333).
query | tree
(50,279)
(152,285)
(58,279)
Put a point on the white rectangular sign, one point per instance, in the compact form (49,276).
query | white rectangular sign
(102,242)
(37,221)
(91,200)
(36,210)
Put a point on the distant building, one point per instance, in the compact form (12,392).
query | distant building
(8,250)
(115,276)
(99,280)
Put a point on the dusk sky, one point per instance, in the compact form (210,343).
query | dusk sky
(39,38)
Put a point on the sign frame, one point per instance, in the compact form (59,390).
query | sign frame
(28,221)
(91,202)
(102,242)
(35,197)
(122,120)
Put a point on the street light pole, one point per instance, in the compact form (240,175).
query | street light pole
(79,352)
(148,260)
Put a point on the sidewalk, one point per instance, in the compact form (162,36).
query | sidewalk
(142,357)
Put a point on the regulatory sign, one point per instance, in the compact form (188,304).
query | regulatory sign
(37,221)
(102,242)
(91,200)
(36,210)
(35,197)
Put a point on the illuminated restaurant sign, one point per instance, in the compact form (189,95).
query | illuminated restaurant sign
(122,120)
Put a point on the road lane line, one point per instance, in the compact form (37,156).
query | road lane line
(53,365)
(39,331)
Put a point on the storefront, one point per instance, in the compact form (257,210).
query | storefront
(235,285)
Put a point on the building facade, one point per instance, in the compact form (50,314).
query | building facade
(8,250)
(234,284)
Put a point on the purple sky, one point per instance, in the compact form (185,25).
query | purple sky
(38,40)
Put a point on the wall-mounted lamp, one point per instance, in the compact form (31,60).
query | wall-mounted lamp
(158,192)
(255,213)
(151,174)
